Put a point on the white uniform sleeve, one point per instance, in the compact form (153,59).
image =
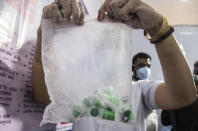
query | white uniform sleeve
(148,93)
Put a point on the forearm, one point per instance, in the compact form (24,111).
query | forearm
(176,71)
(39,88)
(38,83)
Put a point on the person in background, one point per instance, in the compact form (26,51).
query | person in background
(141,66)
(195,74)
(195,71)
(196,81)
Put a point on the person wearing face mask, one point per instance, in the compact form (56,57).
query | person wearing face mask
(141,66)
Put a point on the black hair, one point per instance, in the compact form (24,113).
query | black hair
(139,55)
(196,64)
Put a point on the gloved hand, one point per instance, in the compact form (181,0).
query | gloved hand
(135,13)
(71,9)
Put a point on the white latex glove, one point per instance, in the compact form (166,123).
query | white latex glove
(72,10)
(135,13)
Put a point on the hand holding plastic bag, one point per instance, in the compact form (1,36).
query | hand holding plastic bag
(72,10)
(135,13)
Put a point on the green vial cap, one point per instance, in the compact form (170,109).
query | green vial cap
(98,104)
(94,112)
(76,112)
(61,13)
(109,115)
(127,113)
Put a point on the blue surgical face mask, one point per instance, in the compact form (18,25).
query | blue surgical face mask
(143,73)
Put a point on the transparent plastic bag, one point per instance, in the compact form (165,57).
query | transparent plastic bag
(79,60)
